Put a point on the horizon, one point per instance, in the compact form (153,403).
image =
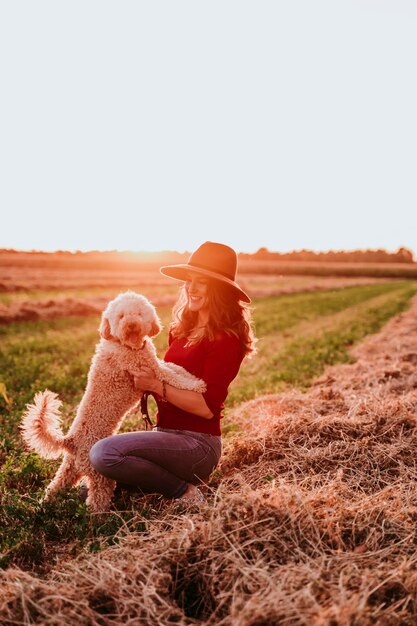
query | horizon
(182,252)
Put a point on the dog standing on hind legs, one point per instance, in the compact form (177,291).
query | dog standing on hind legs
(126,328)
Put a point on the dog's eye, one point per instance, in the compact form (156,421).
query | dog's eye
(121,316)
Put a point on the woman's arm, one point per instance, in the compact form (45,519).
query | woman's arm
(190,401)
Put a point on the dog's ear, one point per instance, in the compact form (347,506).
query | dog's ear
(104,328)
(156,327)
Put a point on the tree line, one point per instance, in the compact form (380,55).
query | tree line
(402,255)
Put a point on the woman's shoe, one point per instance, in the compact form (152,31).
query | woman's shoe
(193,495)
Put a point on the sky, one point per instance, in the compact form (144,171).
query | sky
(157,125)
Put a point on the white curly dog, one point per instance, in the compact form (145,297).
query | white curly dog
(125,346)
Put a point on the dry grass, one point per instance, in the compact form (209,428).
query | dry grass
(311,520)
(51,308)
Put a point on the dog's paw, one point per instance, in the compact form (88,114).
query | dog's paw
(200,386)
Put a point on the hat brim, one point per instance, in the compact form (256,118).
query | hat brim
(181,272)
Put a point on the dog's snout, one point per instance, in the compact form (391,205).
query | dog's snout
(132,325)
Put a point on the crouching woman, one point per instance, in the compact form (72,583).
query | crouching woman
(210,334)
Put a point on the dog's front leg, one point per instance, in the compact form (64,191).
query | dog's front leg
(177,376)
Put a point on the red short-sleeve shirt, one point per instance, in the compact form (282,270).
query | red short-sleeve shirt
(217,362)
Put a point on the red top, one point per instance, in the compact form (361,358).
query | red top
(217,363)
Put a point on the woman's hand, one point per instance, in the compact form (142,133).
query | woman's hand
(190,401)
(145,380)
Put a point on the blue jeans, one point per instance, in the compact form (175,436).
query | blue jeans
(157,461)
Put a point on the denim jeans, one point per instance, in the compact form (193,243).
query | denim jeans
(158,461)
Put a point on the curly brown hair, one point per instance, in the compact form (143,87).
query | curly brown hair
(226,313)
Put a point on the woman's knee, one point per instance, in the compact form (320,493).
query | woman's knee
(99,454)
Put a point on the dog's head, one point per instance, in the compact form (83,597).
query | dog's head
(130,318)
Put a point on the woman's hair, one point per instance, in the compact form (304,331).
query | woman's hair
(226,314)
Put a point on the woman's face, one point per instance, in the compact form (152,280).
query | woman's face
(196,290)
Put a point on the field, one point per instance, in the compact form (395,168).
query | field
(45,286)
(311,516)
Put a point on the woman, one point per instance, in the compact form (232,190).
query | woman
(209,336)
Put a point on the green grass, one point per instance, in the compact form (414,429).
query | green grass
(278,314)
(300,334)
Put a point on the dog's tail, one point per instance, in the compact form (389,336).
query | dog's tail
(40,426)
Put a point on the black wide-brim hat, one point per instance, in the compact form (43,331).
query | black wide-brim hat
(211,259)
